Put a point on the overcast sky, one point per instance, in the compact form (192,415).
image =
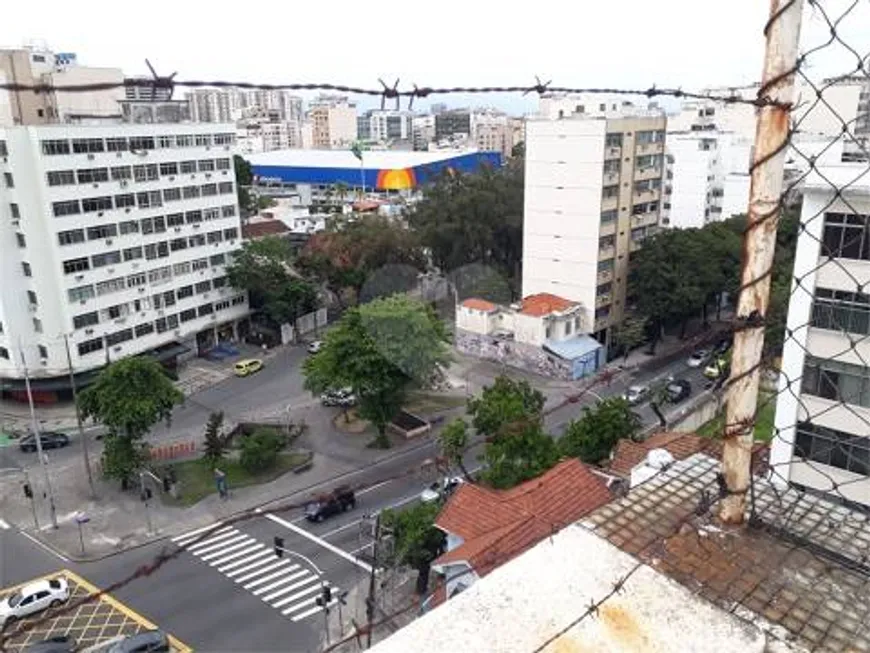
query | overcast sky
(622,43)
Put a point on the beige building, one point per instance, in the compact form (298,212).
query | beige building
(593,189)
(333,122)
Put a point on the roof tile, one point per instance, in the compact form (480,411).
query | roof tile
(544,303)
(479,304)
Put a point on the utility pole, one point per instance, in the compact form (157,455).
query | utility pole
(370,601)
(82,436)
(35,426)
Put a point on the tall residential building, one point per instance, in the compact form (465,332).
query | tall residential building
(453,123)
(422,131)
(385,126)
(592,195)
(117,237)
(42,66)
(823,404)
(333,120)
(491,131)
(214,105)
(553,106)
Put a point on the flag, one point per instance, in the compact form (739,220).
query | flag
(356,149)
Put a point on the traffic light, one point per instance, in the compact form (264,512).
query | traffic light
(327,594)
(145,494)
(279,546)
(28,492)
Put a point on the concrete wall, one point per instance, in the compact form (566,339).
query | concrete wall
(476,321)
(514,354)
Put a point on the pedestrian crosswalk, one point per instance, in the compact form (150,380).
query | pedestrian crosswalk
(290,586)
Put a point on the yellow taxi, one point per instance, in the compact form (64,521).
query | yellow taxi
(247,367)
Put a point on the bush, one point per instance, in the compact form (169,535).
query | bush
(260,450)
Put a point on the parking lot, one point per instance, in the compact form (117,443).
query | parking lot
(88,623)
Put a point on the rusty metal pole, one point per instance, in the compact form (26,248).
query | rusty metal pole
(772,132)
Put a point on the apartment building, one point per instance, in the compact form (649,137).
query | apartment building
(823,405)
(422,131)
(385,126)
(592,195)
(492,131)
(452,123)
(694,180)
(333,122)
(118,238)
(553,106)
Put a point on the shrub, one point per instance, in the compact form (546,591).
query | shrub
(260,450)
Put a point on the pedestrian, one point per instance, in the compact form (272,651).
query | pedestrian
(220,478)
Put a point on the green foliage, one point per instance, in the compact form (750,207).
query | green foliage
(259,450)
(263,267)
(520,451)
(629,333)
(244,176)
(265,202)
(453,443)
(504,402)
(417,541)
(122,456)
(215,440)
(474,218)
(593,436)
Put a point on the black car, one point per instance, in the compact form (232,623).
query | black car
(678,390)
(150,641)
(57,644)
(49,440)
(326,505)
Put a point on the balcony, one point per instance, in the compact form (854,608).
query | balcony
(601,323)
(635,245)
(610,178)
(644,219)
(607,228)
(603,300)
(649,148)
(648,195)
(640,174)
(609,203)
(612,152)
(605,276)
(605,253)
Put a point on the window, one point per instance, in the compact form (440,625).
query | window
(141,143)
(219,282)
(118,337)
(178,244)
(184,292)
(13,209)
(188,167)
(80,294)
(847,236)
(188,315)
(61,177)
(225,187)
(106,258)
(231,234)
(222,306)
(52,147)
(193,217)
(215,237)
(211,214)
(71,266)
(175,220)
(93,204)
(648,161)
(190,192)
(228,211)
(223,164)
(8,180)
(165,142)
(111,286)
(202,286)
(86,320)
(68,207)
(180,269)
(146,172)
(209,190)
(22,242)
(88,145)
(239,299)
(117,144)
(608,216)
(839,310)
(156,225)
(832,447)
(837,381)
(144,329)
(133,253)
(205,309)
(4,353)
(121,173)
(202,140)
(92,175)
(43,351)
(160,276)
(184,140)
(156,250)
(128,227)
(149,199)
(610,191)
(224,139)
(127,200)
(90,346)
(171,194)
(168,168)
(199,264)
(32,299)
(218,259)
(136,280)
(37,325)
(206,165)
(3,150)
(25,268)
(606,242)
(196,241)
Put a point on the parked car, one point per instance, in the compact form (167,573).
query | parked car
(722,347)
(440,489)
(636,394)
(678,390)
(48,439)
(149,641)
(33,598)
(339,500)
(341,397)
(315,346)
(698,357)
(56,644)
(717,367)
(247,367)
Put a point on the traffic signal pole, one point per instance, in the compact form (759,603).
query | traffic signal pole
(325,597)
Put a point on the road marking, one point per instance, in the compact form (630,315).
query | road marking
(308,613)
(294,597)
(235,547)
(4,524)
(362,548)
(273,565)
(265,579)
(317,540)
(237,554)
(296,575)
(191,535)
(43,546)
(260,558)
(308,580)
(400,502)
(216,543)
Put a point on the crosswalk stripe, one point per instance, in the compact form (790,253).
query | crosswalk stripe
(278,583)
(237,554)
(246,541)
(309,612)
(298,595)
(272,566)
(311,578)
(192,535)
(214,542)
(238,568)
(277,574)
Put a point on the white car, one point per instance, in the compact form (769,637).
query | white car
(698,358)
(33,598)
(440,489)
(315,346)
(636,394)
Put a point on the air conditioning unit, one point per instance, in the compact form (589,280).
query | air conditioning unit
(135,265)
(208,175)
(116,348)
(216,244)
(212,316)
(196,226)
(83,301)
(177,332)
(123,183)
(224,173)
(141,290)
(227,148)
(193,176)
(118,154)
(177,229)
(91,157)
(43,361)
(108,241)
(111,270)
(99,214)
(89,332)
(205,295)
(127,210)
(33,308)
(160,311)
(96,185)
(171,177)
(121,320)
(15,223)
(79,277)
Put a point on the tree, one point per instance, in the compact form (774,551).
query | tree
(417,542)
(504,402)
(215,440)
(259,450)
(475,218)
(629,333)
(128,398)
(265,202)
(453,443)
(593,436)
(263,267)
(520,451)
(244,179)
(380,350)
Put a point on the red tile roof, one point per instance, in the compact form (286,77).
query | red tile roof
(479,304)
(545,303)
(497,525)
(254,230)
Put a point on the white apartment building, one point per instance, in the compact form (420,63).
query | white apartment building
(423,131)
(333,122)
(823,404)
(592,195)
(492,131)
(117,237)
(553,106)
(384,126)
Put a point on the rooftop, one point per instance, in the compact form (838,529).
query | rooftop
(262,228)
(372,159)
(479,304)
(545,303)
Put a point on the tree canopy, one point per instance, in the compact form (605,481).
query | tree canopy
(594,434)
(417,541)
(518,452)
(504,402)
(453,443)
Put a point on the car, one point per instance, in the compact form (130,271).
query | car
(718,367)
(148,641)
(636,394)
(33,598)
(48,440)
(440,489)
(339,500)
(342,397)
(698,358)
(722,347)
(678,390)
(315,346)
(56,644)
(247,367)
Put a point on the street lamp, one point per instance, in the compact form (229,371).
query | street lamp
(325,597)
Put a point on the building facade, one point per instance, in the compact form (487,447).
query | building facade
(593,193)
(385,126)
(333,122)
(453,123)
(117,239)
(822,438)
